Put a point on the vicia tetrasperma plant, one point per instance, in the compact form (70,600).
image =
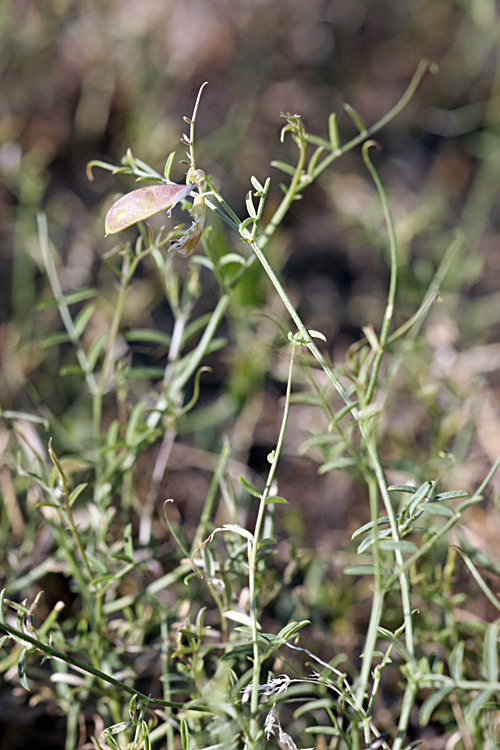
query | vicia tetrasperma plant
(226,682)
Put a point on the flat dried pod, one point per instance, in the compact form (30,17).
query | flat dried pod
(143,203)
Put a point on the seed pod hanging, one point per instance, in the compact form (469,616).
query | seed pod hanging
(143,203)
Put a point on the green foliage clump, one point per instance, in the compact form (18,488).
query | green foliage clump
(233,629)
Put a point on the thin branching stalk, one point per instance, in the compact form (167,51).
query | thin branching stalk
(364,135)
(377,600)
(254,549)
(366,432)
(391,295)
(63,483)
(54,653)
(289,196)
(197,355)
(192,122)
(405,715)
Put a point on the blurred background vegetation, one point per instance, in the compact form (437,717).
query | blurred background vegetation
(87,80)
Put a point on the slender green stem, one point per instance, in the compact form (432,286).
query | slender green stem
(232,218)
(47,650)
(377,601)
(197,355)
(416,321)
(405,715)
(479,580)
(192,122)
(76,570)
(369,645)
(129,266)
(391,295)
(69,514)
(429,681)
(165,663)
(422,68)
(254,549)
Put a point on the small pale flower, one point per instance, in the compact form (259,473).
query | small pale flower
(270,722)
(187,244)
(285,741)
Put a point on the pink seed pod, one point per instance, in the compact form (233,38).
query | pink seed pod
(143,203)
